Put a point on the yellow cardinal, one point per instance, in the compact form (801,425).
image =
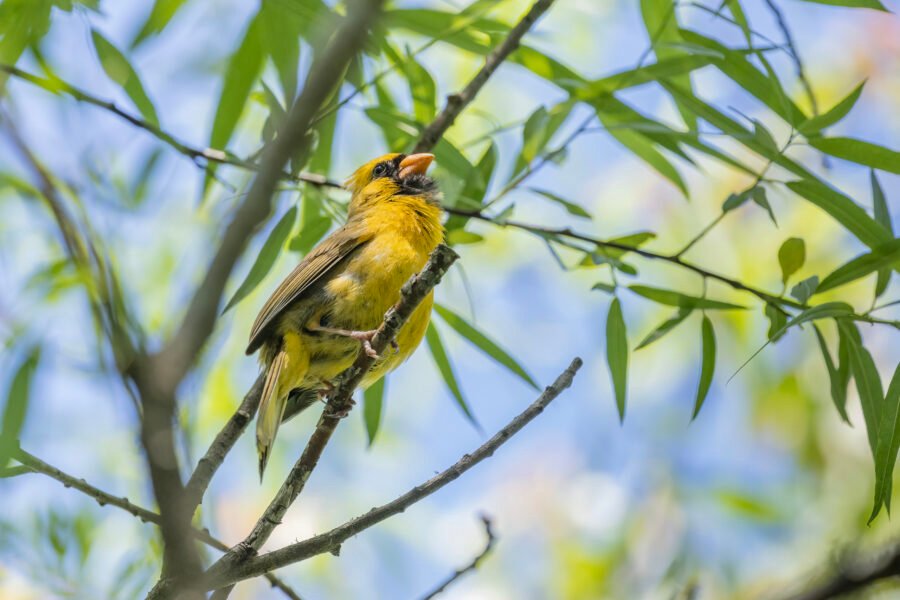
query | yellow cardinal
(312,326)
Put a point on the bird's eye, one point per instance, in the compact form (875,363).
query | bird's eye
(380,170)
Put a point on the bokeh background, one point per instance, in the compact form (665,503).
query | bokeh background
(744,502)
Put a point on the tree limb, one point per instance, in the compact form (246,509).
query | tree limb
(457,102)
(488,546)
(32,464)
(340,402)
(849,576)
(220,575)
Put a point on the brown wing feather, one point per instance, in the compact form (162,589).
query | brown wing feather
(311,269)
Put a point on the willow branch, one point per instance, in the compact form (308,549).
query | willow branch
(457,102)
(411,295)
(459,573)
(202,157)
(32,464)
(221,575)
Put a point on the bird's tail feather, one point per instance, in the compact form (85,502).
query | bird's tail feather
(271,409)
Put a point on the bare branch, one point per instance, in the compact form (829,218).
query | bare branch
(411,295)
(457,102)
(221,575)
(32,464)
(488,546)
(222,444)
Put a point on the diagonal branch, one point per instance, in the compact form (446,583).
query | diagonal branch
(411,295)
(32,464)
(488,546)
(457,102)
(221,575)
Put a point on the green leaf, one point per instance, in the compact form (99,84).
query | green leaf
(604,287)
(17,398)
(461,236)
(266,258)
(475,187)
(839,375)
(859,151)
(883,218)
(671,298)
(162,12)
(483,343)
(777,321)
(280,29)
(888,445)
(707,364)
(433,338)
(534,136)
(758,194)
(791,257)
(661,22)
(664,327)
(736,200)
(571,207)
(314,222)
(617,354)
(844,210)
(119,70)
(373,406)
(242,71)
(421,88)
(664,69)
(886,255)
(840,110)
(874,4)
(806,288)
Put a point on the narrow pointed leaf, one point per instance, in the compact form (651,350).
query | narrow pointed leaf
(883,218)
(888,445)
(707,364)
(833,115)
(838,375)
(617,354)
(859,151)
(266,258)
(873,4)
(16,407)
(868,382)
(571,207)
(373,407)
(162,12)
(483,343)
(433,339)
(671,298)
(119,70)
(885,256)
(664,328)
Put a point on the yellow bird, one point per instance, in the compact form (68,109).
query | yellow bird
(312,326)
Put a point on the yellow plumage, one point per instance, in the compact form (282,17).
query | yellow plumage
(311,327)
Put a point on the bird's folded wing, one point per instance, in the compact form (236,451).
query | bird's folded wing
(317,264)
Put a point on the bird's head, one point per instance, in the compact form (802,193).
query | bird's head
(393,175)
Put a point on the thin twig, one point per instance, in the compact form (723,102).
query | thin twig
(457,102)
(847,577)
(411,295)
(32,464)
(795,56)
(332,540)
(488,546)
(202,157)
(673,259)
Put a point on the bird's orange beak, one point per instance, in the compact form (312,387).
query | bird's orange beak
(415,164)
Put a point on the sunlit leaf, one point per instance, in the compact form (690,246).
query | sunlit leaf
(859,151)
(875,4)
(265,260)
(840,110)
(883,218)
(661,22)
(791,257)
(663,328)
(707,363)
(571,207)
(16,407)
(672,298)
(617,354)
(119,70)
(483,343)
(433,339)
(373,406)
(160,15)
(886,255)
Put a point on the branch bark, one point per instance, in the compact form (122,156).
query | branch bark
(457,102)
(341,401)
(221,575)
(849,576)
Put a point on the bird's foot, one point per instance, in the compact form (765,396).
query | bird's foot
(326,390)
(365,338)
(343,414)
